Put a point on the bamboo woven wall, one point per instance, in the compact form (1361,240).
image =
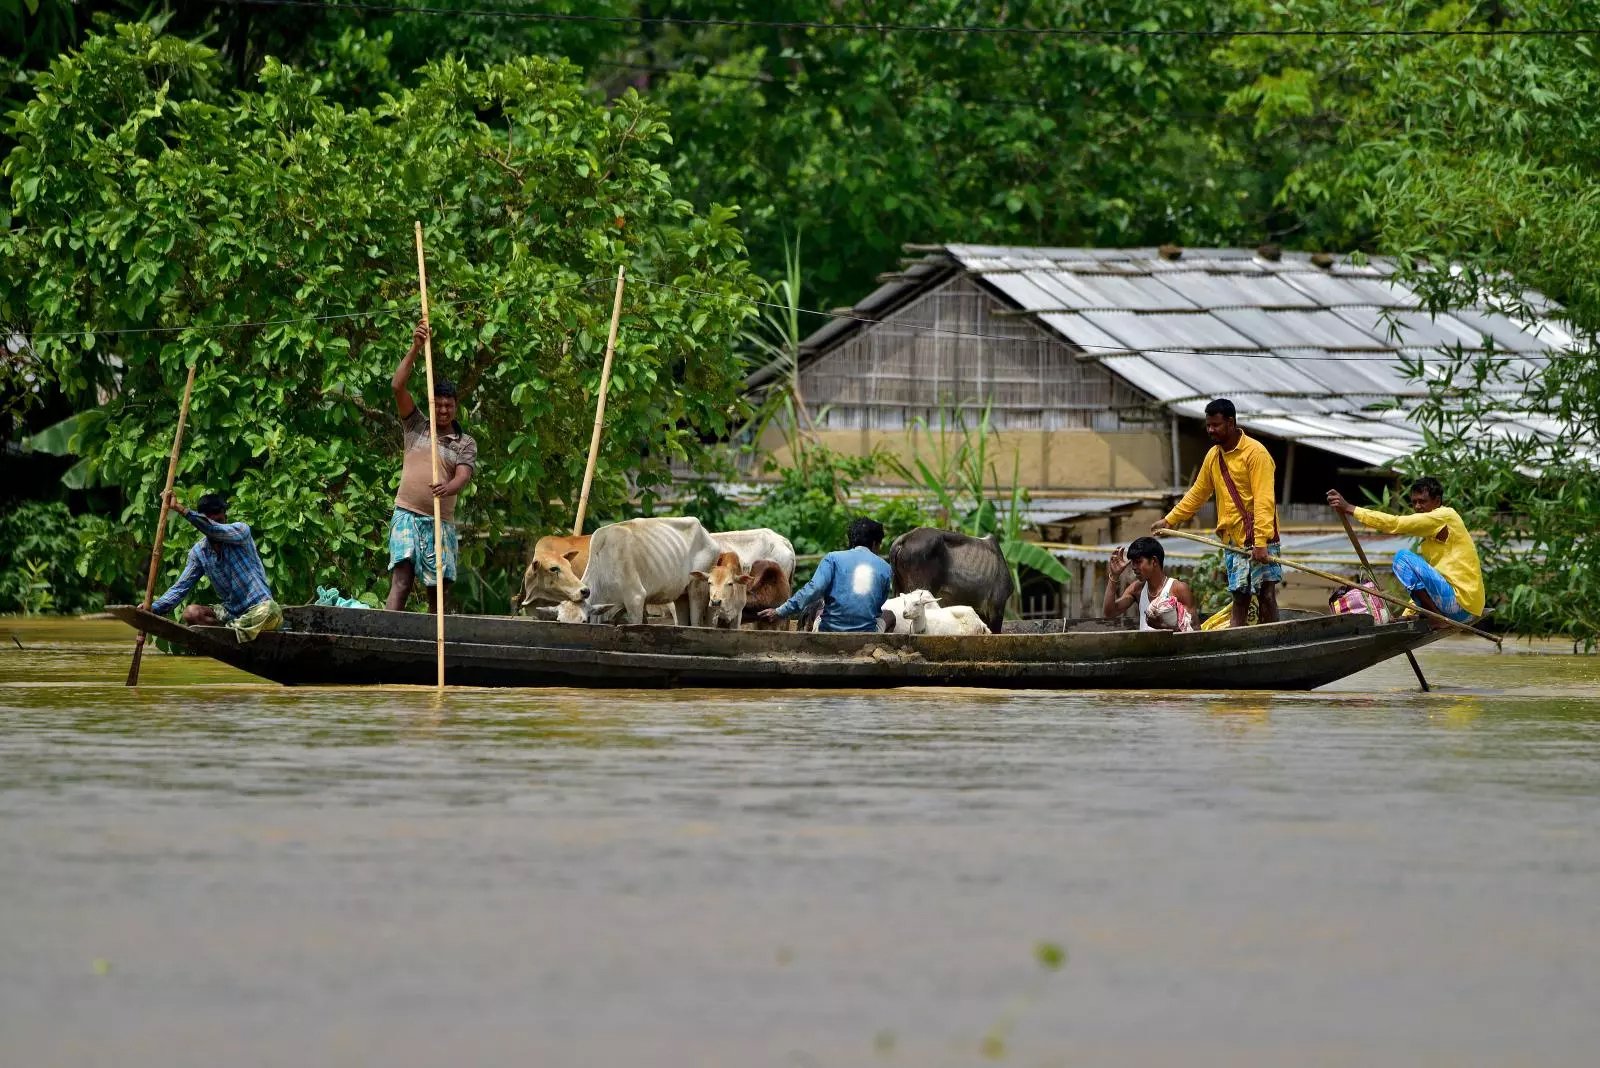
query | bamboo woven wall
(924,360)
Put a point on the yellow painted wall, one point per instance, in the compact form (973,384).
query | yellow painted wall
(1045,459)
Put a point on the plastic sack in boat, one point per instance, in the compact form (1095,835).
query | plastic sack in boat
(1350,599)
(330,596)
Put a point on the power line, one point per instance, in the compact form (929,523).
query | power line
(1065,32)
(371,313)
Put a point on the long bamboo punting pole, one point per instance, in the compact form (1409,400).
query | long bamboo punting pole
(161,524)
(433,448)
(600,408)
(1366,565)
(1337,580)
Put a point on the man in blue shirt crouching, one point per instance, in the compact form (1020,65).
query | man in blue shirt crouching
(226,555)
(854,581)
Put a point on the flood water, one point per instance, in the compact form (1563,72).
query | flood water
(210,870)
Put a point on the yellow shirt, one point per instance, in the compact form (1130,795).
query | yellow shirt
(1252,469)
(1444,543)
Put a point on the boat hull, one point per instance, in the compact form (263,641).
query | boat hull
(322,646)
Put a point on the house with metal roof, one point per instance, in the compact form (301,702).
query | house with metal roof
(1095,365)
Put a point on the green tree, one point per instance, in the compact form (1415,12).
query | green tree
(1473,159)
(155,213)
(865,141)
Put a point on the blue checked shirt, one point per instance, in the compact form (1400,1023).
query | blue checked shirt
(227,556)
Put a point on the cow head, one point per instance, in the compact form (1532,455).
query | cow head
(549,578)
(727,588)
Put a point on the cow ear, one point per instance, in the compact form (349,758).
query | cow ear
(743,580)
(701,575)
(570,555)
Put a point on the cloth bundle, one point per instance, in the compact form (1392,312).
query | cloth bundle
(1351,599)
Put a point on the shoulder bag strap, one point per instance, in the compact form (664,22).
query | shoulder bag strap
(1238,501)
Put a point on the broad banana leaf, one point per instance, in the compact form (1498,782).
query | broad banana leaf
(1027,554)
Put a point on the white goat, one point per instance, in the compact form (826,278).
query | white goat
(924,616)
(896,607)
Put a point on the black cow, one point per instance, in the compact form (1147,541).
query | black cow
(955,568)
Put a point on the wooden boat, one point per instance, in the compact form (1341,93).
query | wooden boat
(322,646)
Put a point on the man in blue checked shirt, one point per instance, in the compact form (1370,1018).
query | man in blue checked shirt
(226,554)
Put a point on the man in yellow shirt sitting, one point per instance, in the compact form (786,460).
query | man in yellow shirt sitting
(1239,472)
(1444,575)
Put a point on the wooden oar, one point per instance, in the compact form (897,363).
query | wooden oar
(433,448)
(1337,580)
(161,524)
(599,408)
(1366,565)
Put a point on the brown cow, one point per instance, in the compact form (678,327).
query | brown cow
(727,597)
(556,570)
(769,587)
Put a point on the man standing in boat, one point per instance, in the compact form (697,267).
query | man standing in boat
(411,526)
(855,582)
(1164,602)
(1444,574)
(1240,474)
(225,554)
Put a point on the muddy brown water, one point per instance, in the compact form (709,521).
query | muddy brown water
(214,870)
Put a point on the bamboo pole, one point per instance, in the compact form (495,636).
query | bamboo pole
(161,524)
(1361,554)
(600,407)
(433,448)
(1337,580)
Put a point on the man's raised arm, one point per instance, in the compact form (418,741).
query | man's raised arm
(397,382)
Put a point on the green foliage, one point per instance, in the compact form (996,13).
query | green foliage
(807,503)
(961,477)
(154,209)
(1533,501)
(1473,159)
(43,564)
(865,141)
(1207,579)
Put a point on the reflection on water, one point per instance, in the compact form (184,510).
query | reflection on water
(208,867)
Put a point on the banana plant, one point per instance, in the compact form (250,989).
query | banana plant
(961,477)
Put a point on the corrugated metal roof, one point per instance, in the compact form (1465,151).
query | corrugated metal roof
(1061,509)
(1306,351)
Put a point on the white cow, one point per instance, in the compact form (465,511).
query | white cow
(646,561)
(758,543)
(925,616)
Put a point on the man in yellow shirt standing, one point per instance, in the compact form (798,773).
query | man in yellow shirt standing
(1240,473)
(1444,575)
